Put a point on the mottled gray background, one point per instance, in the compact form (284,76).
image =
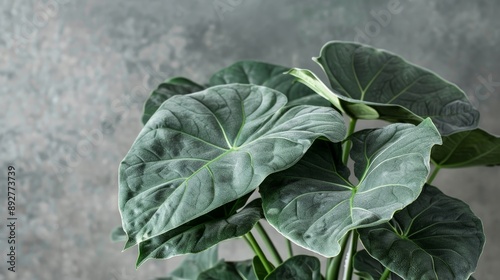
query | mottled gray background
(74,76)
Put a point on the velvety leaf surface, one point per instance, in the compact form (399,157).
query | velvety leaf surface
(314,205)
(373,75)
(436,237)
(203,150)
(369,268)
(467,148)
(297,268)
(166,90)
(269,75)
(201,233)
(230,271)
(193,265)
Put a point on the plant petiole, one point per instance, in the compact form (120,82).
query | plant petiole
(258,251)
(269,243)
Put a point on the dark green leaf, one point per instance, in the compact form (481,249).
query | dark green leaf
(436,237)
(367,74)
(258,268)
(203,150)
(200,234)
(314,205)
(467,148)
(355,108)
(118,235)
(194,264)
(369,268)
(230,271)
(166,90)
(271,76)
(297,268)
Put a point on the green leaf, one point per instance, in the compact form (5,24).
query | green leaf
(201,233)
(193,265)
(271,76)
(467,148)
(314,205)
(230,271)
(203,150)
(436,237)
(118,235)
(369,268)
(355,108)
(166,90)
(297,268)
(258,268)
(372,75)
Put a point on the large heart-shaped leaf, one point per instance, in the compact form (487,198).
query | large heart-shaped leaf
(193,265)
(230,271)
(467,148)
(201,233)
(436,237)
(314,205)
(369,268)
(271,76)
(298,268)
(373,75)
(166,90)
(203,150)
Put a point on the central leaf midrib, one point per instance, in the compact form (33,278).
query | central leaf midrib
(243,122)
(217,120)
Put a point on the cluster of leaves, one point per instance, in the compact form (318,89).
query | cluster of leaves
(204,150)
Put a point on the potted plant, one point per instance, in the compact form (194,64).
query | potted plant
(258,128)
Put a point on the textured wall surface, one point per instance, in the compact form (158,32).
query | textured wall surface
(74,76)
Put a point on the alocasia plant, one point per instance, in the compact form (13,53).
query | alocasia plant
(279,133)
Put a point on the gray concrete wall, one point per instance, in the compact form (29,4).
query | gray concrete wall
(77,69)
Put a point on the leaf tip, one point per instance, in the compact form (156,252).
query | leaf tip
(130,243)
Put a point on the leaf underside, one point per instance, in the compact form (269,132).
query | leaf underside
(203,150)
(313,203)
(436,237)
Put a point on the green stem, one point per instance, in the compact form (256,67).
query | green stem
(258,251)
(349,262)
(386,274)
(348,143)
(434,173)
(289,246)
(333,269)
(269,243)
